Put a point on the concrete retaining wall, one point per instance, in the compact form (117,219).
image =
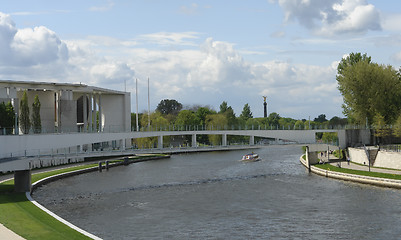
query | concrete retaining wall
(358,156)
(388,160)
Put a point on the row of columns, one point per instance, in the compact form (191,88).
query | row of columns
(90,123)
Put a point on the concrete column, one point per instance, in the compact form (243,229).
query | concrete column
(22,181)
(194,144)
(160,142)
(100,114)
(252,140)
(224,140)
(122,144)
(94,113)
(307,158)
(90,127)
(85,111)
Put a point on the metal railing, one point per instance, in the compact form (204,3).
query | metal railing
(118,128)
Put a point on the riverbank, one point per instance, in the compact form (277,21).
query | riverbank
(343,170)
(23,218)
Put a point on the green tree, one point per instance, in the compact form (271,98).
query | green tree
(25,122)
(7,116)
(351,60)
(321,118)
(169,106)
(369,89)
(246,113)
(36,121)
(273,119)
(216,121)
(337,121)
(397,127)
(299,124)
(201,114)
(186,118)
(223,107)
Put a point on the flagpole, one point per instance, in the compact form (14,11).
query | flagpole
(137,113)
(148,105)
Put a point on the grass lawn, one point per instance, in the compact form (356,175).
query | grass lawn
(28,221)
(358,172)
(18,214)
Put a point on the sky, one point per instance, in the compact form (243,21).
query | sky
(201,52)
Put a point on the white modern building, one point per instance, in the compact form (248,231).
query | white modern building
(72,107)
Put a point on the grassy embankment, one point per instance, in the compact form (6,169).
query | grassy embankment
(24,218)
(358,172)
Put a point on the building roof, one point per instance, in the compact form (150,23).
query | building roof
(53,86)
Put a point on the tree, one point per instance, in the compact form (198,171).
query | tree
(36,121)
(201,114)
(246,113)
(169,106)
(216,121)
(223,107)
(186,118)
(25,122)
(273,119)
(368,89)
(7,116)
(337,121)
(351,60)
(321,118)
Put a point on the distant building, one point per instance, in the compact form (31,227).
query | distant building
(72,107)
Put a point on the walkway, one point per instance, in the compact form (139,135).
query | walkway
(344,164)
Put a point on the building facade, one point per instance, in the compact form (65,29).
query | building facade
(72,107)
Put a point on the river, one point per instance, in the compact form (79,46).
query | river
(214,196)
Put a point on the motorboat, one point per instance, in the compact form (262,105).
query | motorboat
(252,157)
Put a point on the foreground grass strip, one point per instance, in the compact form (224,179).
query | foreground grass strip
(24,218)
(358,172)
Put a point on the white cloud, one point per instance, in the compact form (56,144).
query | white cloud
(103,8)
(206,74)
(333,17)
(189,10)
(169,38)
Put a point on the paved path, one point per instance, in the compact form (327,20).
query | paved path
(344,164)
(6,233)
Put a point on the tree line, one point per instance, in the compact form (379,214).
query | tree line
(371,94)
(171,115)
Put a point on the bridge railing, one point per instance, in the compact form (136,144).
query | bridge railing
(118,128)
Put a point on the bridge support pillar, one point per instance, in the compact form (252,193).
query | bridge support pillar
(224,140)
(307,158)
(22,181)
(252,140)
(160,142)
(194,144)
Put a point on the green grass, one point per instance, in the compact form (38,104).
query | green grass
(358,172)
(18,214)
(28,221)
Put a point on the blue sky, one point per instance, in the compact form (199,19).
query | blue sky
(201,52)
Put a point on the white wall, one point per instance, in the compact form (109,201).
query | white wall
(358,156)
(388,160)
(113,116)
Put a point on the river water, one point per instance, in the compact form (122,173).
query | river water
(214,196)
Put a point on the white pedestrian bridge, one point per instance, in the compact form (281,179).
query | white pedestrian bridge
(22,152)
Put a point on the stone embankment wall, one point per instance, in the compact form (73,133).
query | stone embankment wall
(388,160)
(383,159)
